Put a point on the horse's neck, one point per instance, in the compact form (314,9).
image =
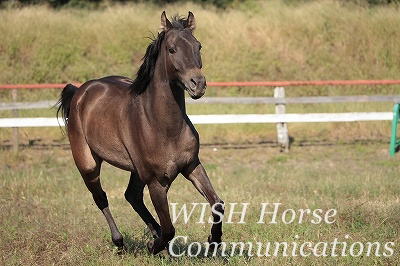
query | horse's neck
(165,103)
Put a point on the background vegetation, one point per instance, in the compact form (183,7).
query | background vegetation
(257,41)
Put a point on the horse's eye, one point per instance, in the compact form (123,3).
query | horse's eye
(200,47)
(171,50)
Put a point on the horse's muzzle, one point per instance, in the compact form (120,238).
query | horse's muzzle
(197,86)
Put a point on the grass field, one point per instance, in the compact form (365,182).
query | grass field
(49,218)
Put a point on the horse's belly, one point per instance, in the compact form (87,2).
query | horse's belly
(113,152)
(125,164)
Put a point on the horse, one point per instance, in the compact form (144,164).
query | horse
(141,126)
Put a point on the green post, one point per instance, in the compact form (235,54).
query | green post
(393,142)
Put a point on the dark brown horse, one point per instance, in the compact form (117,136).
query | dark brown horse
(141,126)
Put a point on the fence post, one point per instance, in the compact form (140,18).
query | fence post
(282,128)
(14,95)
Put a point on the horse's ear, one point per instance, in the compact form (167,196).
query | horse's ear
(165,23)
(191,22)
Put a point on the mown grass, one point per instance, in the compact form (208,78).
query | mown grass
(48,216)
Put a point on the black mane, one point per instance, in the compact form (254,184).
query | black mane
(146,70)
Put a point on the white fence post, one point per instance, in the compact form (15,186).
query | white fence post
(282,128)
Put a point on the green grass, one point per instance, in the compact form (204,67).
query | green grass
(49,217)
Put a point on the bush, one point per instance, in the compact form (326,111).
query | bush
(217,3)
(96,3)
(356,2)
(371,2)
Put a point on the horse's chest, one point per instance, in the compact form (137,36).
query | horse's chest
(169,160)
(174,159)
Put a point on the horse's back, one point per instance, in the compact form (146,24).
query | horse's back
(121,80)
(113,84)
(97,93)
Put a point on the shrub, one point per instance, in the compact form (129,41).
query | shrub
(96,3)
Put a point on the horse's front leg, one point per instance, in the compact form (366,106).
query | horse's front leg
(158,195)
(200,180)
(134,195)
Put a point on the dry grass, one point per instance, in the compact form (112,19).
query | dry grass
(49,218)
(266,40)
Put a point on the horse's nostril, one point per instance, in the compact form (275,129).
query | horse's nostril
(193,82)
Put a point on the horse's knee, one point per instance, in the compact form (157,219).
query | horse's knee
(218,208)
(168,235)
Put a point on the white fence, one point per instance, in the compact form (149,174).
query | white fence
(280,118)
(228,119)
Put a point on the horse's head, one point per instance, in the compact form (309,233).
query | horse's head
(182,54)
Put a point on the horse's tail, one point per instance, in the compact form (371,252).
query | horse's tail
(65,101)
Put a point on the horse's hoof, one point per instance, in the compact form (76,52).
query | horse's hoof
(215,245)
(163,253)
(150,246)
(122,250)
(118,241)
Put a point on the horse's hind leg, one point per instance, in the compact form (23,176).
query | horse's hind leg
(92,181)
(134,195)
(89,165)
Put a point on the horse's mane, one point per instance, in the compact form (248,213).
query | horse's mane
(146,70)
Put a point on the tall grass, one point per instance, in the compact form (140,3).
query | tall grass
(264,41)
(260,40)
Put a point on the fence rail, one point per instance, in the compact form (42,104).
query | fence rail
(229,119)
(279,99)
(233,84)
(237,100)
